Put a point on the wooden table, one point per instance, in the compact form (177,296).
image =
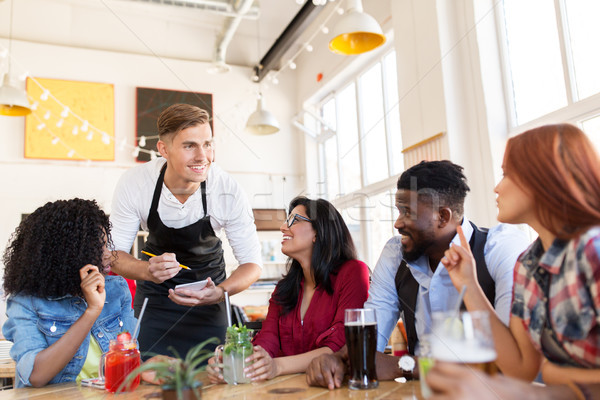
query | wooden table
(289,387)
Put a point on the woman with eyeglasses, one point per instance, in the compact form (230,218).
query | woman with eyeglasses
(306,310)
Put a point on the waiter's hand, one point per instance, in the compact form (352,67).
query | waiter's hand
(211,294)
(163,267)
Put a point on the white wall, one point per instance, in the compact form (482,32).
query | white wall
(259,163)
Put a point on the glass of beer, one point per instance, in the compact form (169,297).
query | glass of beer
(361,339)
(464,338)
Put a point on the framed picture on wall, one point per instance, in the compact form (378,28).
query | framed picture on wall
(70,120)
(151,102)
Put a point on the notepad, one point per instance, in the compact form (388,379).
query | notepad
(199,285)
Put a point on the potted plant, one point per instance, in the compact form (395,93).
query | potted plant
(176,375)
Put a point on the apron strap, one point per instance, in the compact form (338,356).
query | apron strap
(157,190)
(203,189)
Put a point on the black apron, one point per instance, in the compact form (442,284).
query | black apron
(166,324)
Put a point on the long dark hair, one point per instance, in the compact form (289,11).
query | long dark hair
(50,246)
(333,247)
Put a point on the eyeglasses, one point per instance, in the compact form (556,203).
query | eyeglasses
(294,217)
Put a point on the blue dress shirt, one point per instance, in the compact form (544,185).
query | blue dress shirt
(436,291)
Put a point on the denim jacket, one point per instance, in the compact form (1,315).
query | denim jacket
(35,323)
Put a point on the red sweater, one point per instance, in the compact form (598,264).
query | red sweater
(323,323)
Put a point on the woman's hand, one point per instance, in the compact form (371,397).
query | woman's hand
(92,286)
(460,263)
(214,372)
(211,294)
(262,366)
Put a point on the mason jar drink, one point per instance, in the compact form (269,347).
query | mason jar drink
(361,339)
(464,338)
(122,358)
(232,356)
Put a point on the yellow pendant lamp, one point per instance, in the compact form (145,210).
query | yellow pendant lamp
(357,32)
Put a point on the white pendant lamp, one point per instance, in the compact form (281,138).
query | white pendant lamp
(357,32)
(261,121)
(13,102)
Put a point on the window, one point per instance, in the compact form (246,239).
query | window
(584,31)
(347,133)
(552,59)
(330,150)
(592,128)
(373,126)
(381,215)
(535,59)
(362,158)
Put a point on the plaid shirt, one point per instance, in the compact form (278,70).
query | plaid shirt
(571,272)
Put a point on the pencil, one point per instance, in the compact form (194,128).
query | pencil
(154,255)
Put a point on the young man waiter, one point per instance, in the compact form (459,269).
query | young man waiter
(182,199)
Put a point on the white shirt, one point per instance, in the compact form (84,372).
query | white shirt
(228,208)
(436,291)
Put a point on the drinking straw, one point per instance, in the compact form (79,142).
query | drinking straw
(229,323)
(137,326)
(228,308)
(459,301)
(154,255)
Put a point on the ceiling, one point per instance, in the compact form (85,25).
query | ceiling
(151,27)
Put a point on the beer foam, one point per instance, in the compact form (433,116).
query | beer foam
(358,323)
(462,352)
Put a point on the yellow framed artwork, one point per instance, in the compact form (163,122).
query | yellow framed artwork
(70,120)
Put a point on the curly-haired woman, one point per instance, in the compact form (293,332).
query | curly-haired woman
(62,308)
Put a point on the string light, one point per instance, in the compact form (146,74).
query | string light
(142,142)
(66,112)
(309,47)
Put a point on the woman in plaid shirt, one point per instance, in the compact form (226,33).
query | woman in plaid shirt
(552,183)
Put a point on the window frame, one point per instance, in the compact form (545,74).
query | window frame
(577,110)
